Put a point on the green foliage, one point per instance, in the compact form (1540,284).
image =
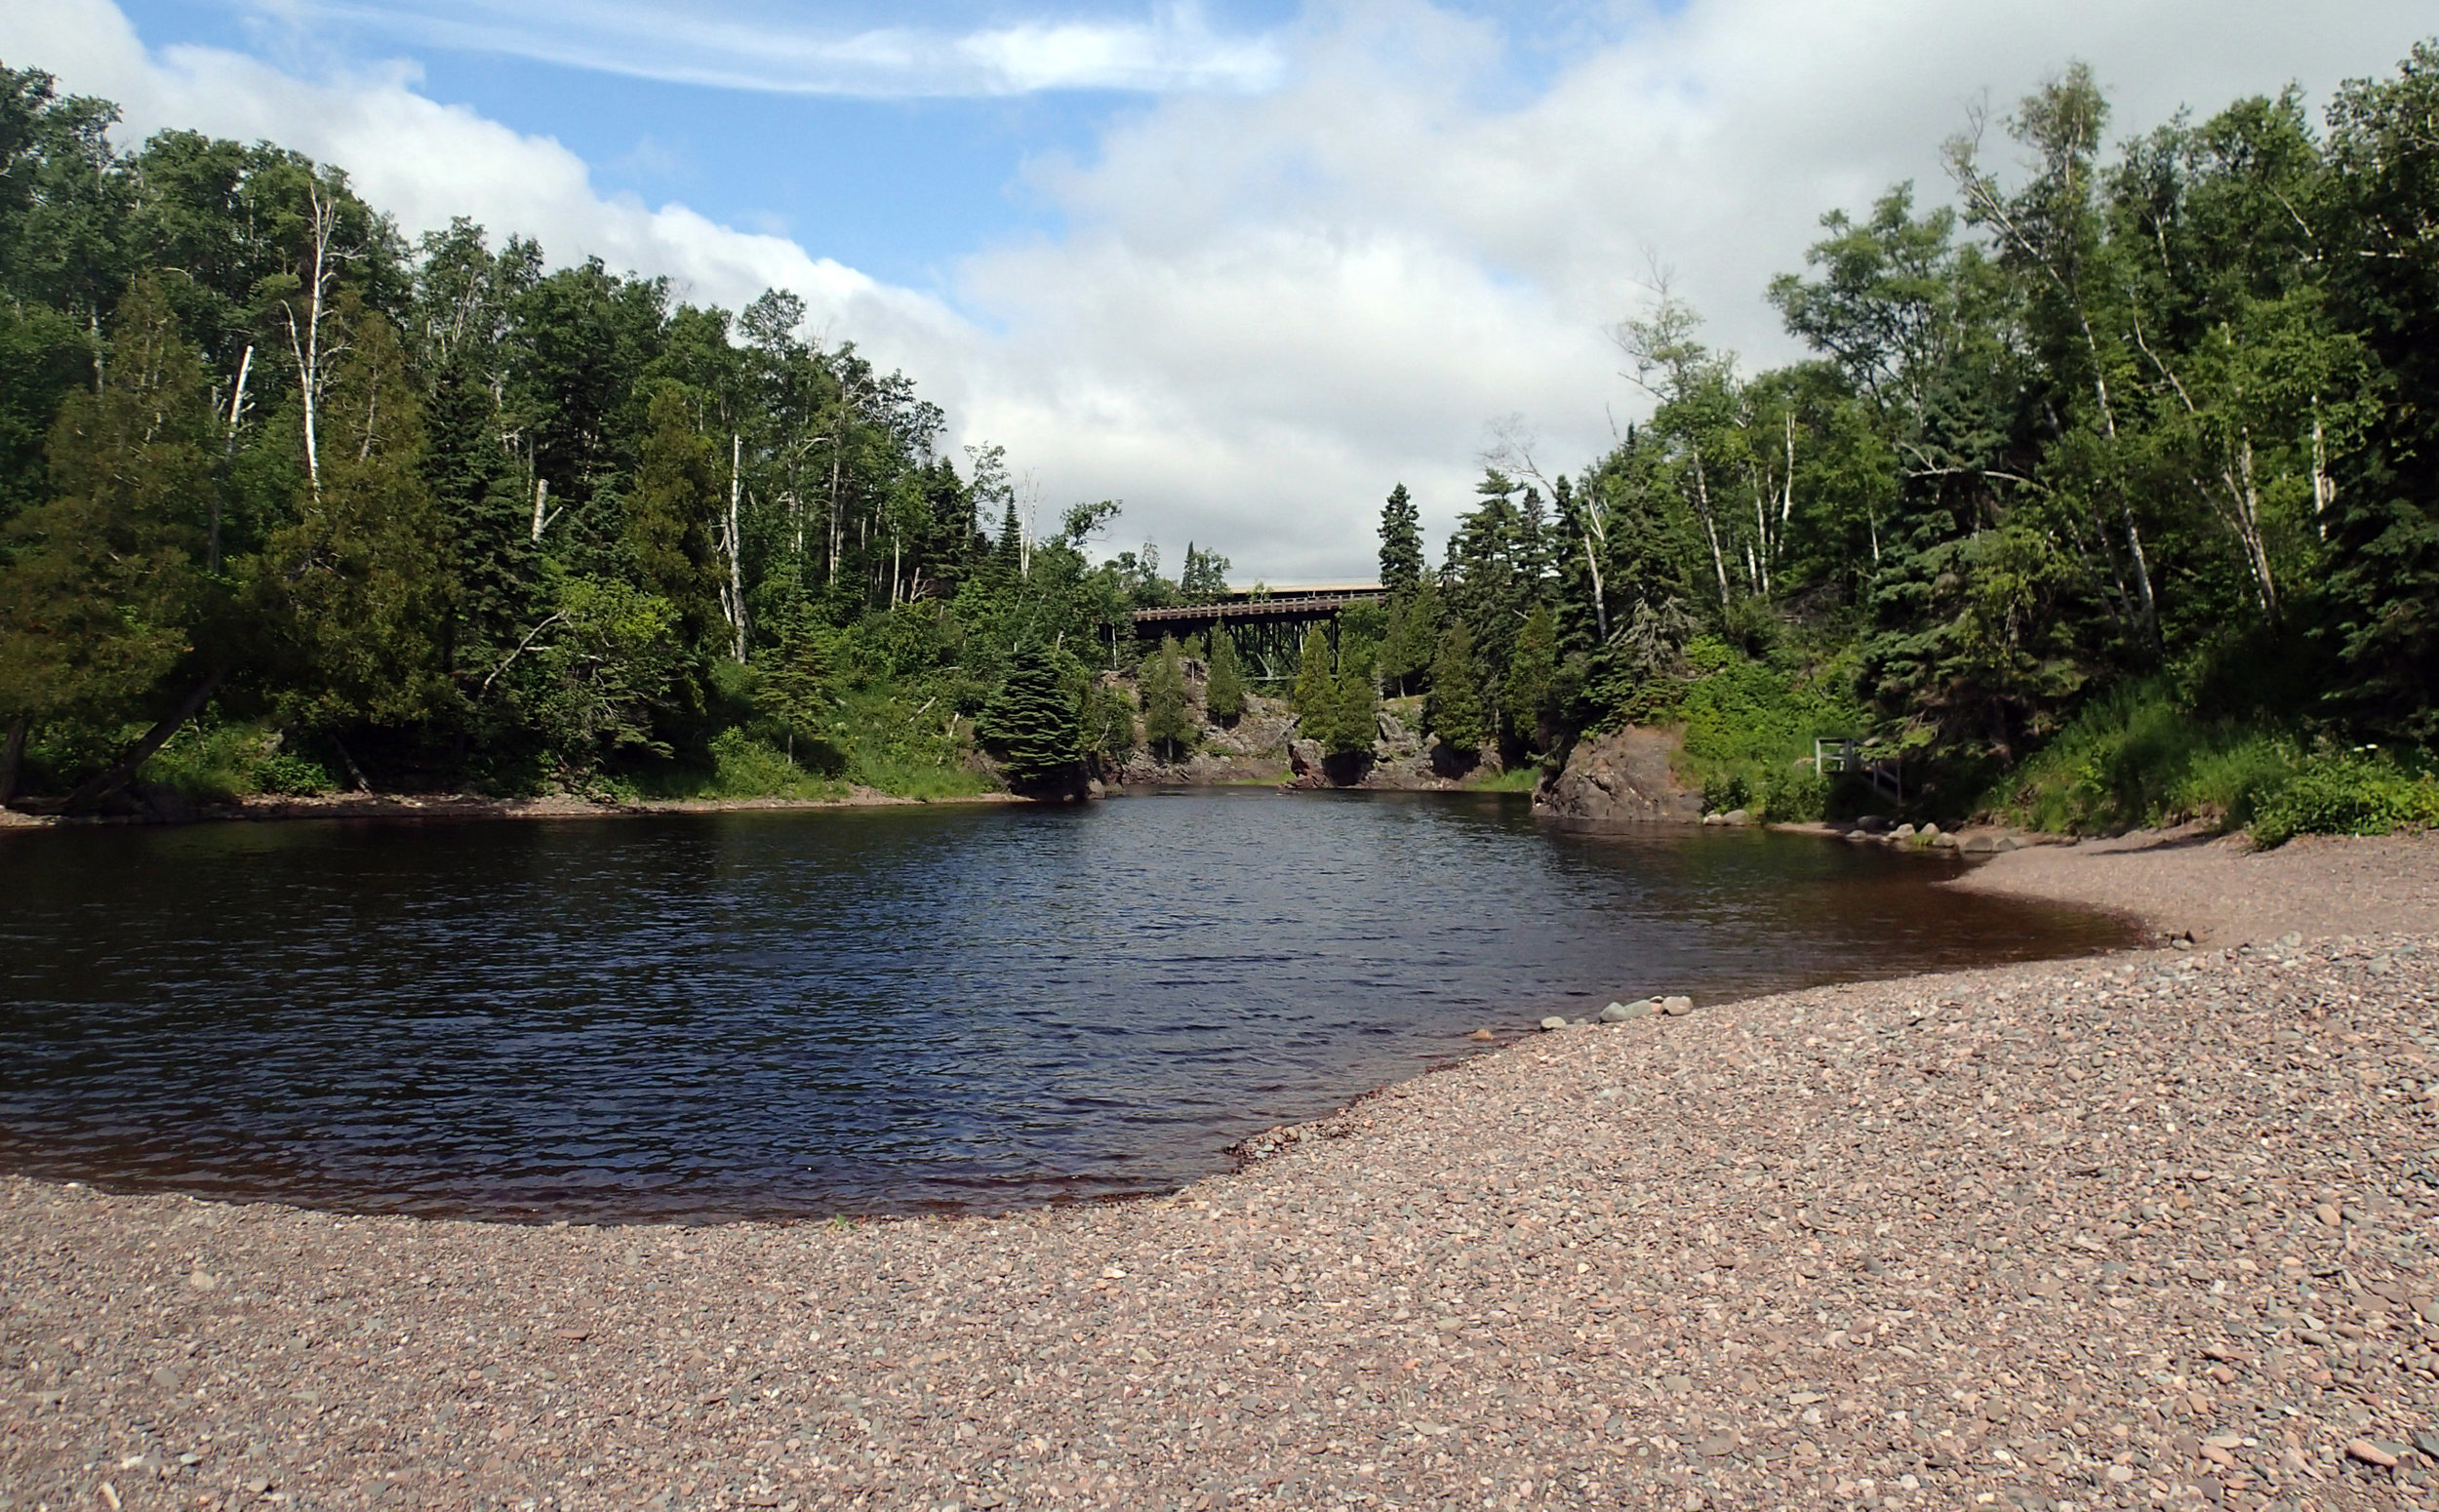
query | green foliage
(1749,728)
(213,763)
(2139,756)
(1033,723)
(1315,695)
(2347,793)
(1223,695)
(1167,725)
(1455,710)
(1108,721)
(1401,543)
(1527,694)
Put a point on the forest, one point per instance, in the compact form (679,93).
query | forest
(2108,493)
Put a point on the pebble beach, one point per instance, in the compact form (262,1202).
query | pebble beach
(2154,1229)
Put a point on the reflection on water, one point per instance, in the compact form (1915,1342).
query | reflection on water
(782,1014)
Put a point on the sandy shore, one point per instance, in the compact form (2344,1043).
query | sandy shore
(2156,1229)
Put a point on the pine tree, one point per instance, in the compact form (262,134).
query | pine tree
(1355,725)
(1413,636)
(1315,699)
(1525,694)
(1032,723)
(99,592)
(1165,721)
(1223,697)
(669,509)
(1455,712)
(1401,543)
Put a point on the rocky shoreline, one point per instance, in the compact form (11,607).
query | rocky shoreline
(2151,1229)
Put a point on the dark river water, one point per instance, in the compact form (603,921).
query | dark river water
(784,1014)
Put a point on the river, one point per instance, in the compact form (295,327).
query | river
(790,1014)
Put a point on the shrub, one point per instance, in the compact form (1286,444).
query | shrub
(2351,793)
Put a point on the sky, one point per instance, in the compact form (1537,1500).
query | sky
(1243,266)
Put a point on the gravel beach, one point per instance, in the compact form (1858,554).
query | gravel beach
(2154,1229)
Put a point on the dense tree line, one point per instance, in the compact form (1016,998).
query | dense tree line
(362,509)
(2160,415)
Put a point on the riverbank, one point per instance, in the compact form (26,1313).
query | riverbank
(466,805)
(2153,1229)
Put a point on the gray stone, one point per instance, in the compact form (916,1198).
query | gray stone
(1902,832)
(1676,1385)
(1735,817)
(1620,1013)
(1874,824)
(1676,1007)
(1943,841)
(1929,831)
(1553,1022)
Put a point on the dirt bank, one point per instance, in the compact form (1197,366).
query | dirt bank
(2150,1230)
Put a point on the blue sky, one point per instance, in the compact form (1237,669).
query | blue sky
(898,174)
(1243,264)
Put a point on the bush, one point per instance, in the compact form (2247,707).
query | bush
(2140,757)
(212,762)
(2353,793)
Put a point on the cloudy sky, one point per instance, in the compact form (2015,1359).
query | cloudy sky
(1242,266)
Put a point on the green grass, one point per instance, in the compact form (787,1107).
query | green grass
(2138,758)
(211,762)
(1515,779)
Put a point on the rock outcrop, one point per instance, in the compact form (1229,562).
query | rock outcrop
(1623,777)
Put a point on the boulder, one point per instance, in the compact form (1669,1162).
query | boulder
(1874,824)
(1553,1022)
(1623,1013)
(1676,1008)
(1735,817)
(1623,777)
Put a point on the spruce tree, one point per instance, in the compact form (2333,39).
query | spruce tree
(1455,712)
(1315,698)
(1165,721)
(1401,543)
(1223,697)
(1524,693)
(1032,724)
(1356,723)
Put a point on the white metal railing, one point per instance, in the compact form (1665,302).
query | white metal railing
(1886,772)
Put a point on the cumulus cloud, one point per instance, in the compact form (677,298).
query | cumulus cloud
(1263,309)
(768,48)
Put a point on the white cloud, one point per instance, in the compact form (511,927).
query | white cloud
(765,48)
(1268,307)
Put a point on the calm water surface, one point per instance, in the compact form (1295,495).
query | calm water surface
(783,1013)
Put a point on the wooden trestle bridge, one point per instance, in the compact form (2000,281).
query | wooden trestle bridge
(1268,625)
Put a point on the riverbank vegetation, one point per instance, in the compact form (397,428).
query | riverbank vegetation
(2109,493)
(288,502)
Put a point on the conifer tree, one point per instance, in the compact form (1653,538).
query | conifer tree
(1032,723)
(668,511)
(1401,543)
(1356,723)
(1223,697)
(1165,721)
(1454,711)
(1315,699)
(101,594)
(1525,692)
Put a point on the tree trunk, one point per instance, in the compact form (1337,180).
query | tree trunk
(109,780)
(12,753)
